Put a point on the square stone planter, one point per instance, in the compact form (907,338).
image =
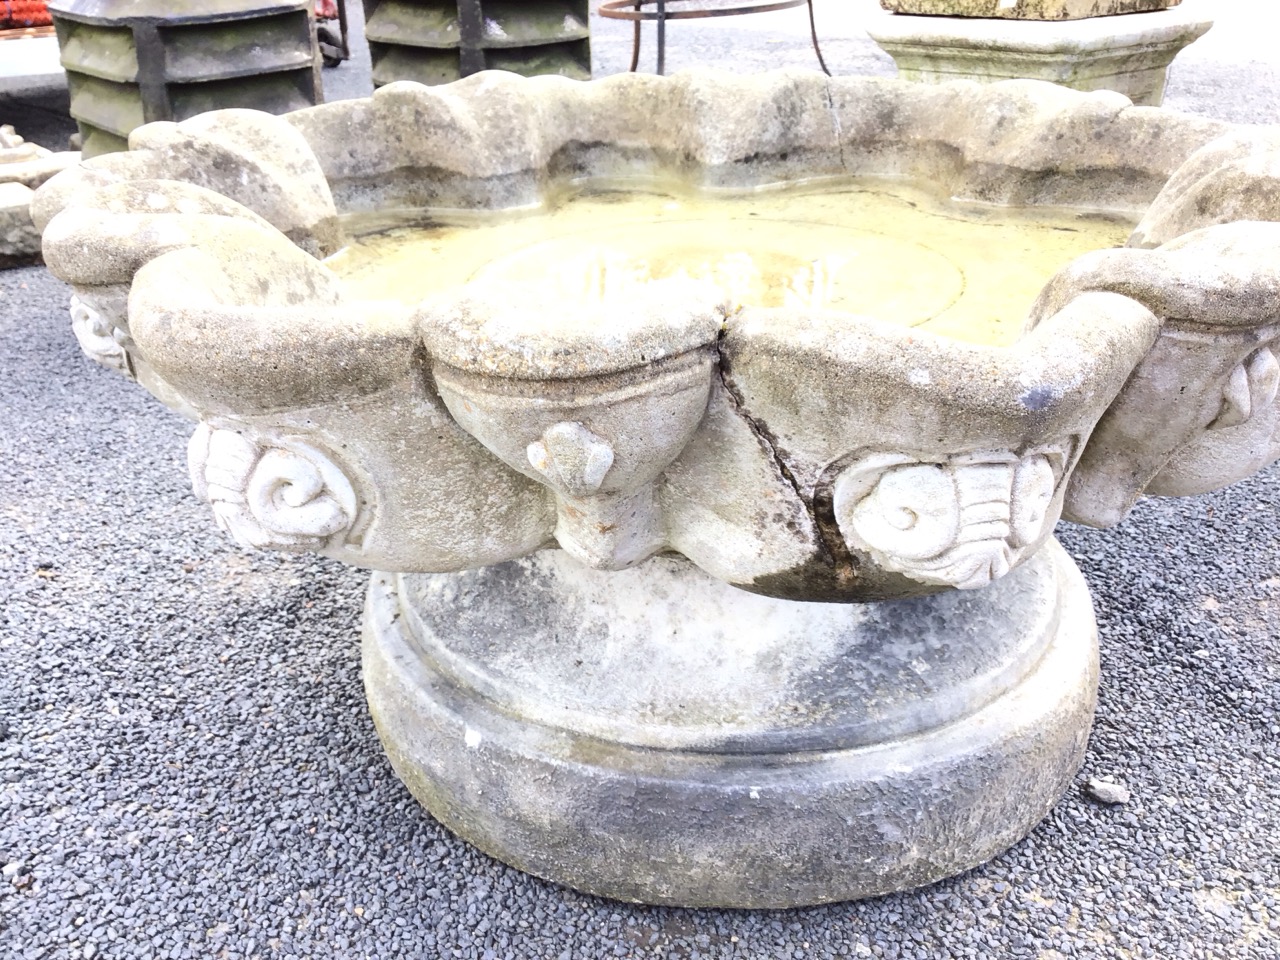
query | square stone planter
(1026,9)
(1128,53)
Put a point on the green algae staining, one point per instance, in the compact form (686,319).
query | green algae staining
(890,252)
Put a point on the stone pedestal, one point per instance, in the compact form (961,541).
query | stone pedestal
(657,736)
(1128,53)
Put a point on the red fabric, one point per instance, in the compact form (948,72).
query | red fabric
(326,10)
(24,13)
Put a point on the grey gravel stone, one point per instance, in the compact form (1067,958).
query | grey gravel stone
(1107,791)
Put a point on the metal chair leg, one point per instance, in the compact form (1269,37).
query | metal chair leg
(616,10)
(342,27)
(813,31)
(635,43)
(662,37)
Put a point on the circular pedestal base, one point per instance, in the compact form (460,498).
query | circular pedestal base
(653,735)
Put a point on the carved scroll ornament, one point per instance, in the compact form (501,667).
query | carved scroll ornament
(281,493)
(962,522)
(99,338)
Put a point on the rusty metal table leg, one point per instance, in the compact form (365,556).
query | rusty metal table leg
(618,10)
(813,32)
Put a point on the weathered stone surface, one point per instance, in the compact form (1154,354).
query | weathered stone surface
(14,148)
(23,167)
(77,185)
(497,334)
(655,736)
(27,163)
(1016,142)
(253,158)
(1128,53)
(491,141)
(248,335)
(33,173)
(1026,9)
(1198,412)
(257,160)
(19,238)
(426,495)
(103,279)
(722,533)
(1236,177)
(877,399)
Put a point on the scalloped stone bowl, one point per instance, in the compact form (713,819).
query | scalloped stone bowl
(807,635)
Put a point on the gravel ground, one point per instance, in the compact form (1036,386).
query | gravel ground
(187,767)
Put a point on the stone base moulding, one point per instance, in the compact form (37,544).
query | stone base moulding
(671,740)
(1128,53)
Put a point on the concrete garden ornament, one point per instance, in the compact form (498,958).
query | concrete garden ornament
(1122,45)
(707,434)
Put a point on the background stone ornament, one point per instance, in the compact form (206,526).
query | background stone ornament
(699,698)
(1121,45)
(283,493)
(963,522)
(1027,9)
(98,337)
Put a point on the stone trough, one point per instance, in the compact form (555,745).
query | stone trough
(724,577)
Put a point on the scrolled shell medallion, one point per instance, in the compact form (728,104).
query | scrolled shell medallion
(961,522)
(279,493)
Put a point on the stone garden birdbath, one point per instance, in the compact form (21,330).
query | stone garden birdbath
(713,537)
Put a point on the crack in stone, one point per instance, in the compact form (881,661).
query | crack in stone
(835,124)
(830,542)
